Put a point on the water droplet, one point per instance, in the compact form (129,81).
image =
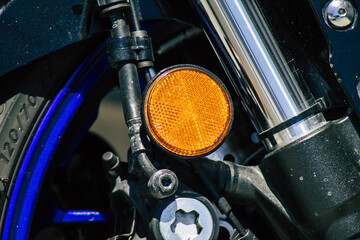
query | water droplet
(301,178)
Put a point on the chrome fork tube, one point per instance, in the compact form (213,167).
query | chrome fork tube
(270,91)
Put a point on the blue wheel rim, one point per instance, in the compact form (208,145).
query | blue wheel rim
(45,141)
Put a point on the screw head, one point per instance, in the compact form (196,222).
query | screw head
(340,15)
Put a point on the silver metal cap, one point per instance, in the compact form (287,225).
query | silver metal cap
(340,15)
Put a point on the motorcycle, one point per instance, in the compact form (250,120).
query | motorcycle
(242,116)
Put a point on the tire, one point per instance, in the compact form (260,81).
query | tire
(43,113)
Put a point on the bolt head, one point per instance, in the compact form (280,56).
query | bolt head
(187,218)
(163,183)
(340,15)
(110,160)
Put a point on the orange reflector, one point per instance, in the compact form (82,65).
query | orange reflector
(187,111)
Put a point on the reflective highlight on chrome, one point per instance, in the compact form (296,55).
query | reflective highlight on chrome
(270,91)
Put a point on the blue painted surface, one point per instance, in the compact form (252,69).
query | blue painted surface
(43,145)
(81,216)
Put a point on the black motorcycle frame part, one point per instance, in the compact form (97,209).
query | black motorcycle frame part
(245,185)
(342,56)
(127,188)
(222,203)
(30,30)
(317,179)
(44,27)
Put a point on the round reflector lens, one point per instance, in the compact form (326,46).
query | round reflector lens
(187,111)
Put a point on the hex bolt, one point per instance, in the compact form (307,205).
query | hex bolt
(163,183)
(340,15)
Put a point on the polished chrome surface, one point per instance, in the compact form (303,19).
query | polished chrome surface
(340,15)
(186,218)
(270,91)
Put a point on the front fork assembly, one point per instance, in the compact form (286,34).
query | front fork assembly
(313,165)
